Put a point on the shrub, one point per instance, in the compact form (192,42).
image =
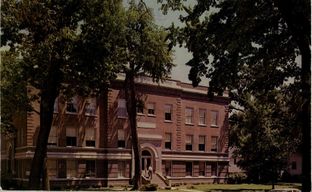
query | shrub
(149,187)
(237,178)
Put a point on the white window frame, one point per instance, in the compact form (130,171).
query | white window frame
(189,115)
(202,117)
(122,109)
(168,110)
(214,118)
(151,106)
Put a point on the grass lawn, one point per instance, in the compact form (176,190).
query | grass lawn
(233,187)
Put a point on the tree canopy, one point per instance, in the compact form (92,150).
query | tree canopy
(147,54)
(250,47)
(67,47)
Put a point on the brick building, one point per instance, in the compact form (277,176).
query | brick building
(182,134)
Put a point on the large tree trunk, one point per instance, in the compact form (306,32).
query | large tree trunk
(48,95)
(46,117)
(131,109)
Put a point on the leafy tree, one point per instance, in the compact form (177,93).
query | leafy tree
(147,55)
(12,91)
(53,37)
(229,38)
(265,132)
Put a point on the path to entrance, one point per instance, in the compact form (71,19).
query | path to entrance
(190,190)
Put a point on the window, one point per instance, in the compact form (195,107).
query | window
(168,141)
(71,141)
(188,142)
(71,168)
(168,168)
(52,141)
(151,108)
(202,116)
(202,143)
(122,110)
(188,168)
(56,108)
(214,169)
(294,165)
(72,105)
(90,107)
(71,135)
(90,168)
(202,168)
(140,108)
(121,169)
(214,118)
(89,137)
(214,143)
(189,115)
(121,138)
(52,167)
(168,111)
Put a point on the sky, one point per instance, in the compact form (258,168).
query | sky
(181,55)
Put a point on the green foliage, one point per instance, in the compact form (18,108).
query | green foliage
(13,91)
(249,48)
(237,178)
(66,47)
(147,46)
(265,133)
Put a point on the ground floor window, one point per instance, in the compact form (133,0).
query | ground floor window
(52,168)
(214,169)
(122,169)
(71,170)
(189,168)
(168,168)
(202,168)
(90,168)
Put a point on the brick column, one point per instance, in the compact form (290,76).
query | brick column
(179,128)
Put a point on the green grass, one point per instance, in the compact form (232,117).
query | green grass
(234,187)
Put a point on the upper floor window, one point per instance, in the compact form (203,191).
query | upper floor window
(89,137)
(122,110)
(168,141)
(140,109)
(189,142)
(189,112)
(214,143)
(151,108)
(168,112)
(214,118)
(202,143)
(121,138)
(202,116)
(71,136)
(90,107)
(72,105)
(53,136)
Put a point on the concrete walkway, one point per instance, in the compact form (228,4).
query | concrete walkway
(190,190)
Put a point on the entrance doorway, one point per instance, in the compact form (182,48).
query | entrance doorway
(146,163)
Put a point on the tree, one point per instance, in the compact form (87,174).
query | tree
(12,87)
(265,132)
(147,55)
(49,36)
(228,37)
